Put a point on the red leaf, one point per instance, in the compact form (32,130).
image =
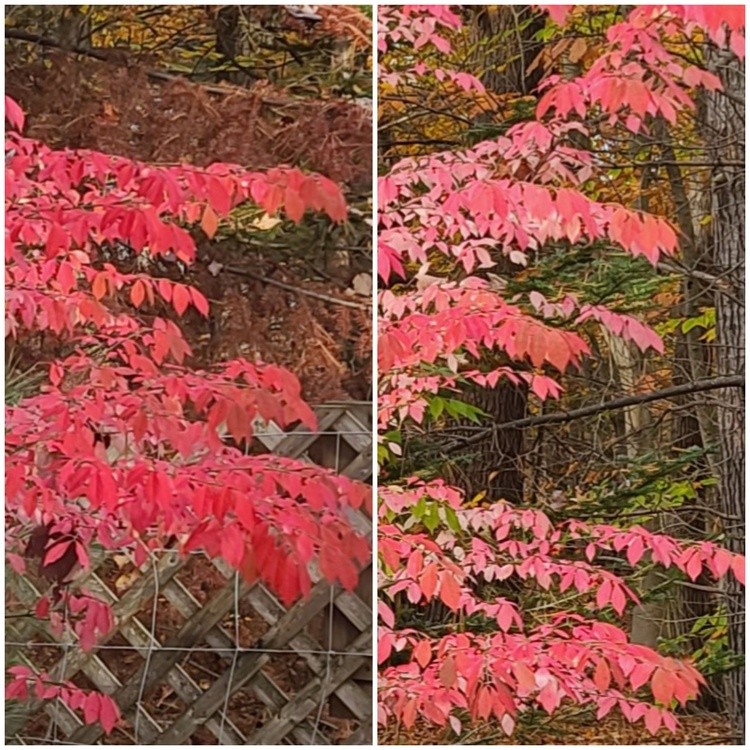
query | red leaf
(549,697)
(56,552)
(635,550)
(602,675)
(428,581)
(604,594)
(18,689)
(14,114)
(137,293)
(209,222)
(524,676)
(92,708)
(99,285)
(423,653)
(409,714)
(165,289)
(293,205)
(180,298)
(640,674)
(653,720)
(450,591)
(57,240)
(385,646)
(199,301)
(484,703)
(109,714)
(662,686)
(232,546)
(447,673)
(738,568)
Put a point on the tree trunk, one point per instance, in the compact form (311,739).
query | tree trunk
(229,40)
(725,137)
(503,47)
(74,28)
(495,465)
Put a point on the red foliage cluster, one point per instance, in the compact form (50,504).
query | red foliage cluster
(125,446)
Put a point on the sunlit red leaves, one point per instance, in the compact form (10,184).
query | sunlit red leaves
(472,320)
(142,211)
(487,674)
(389,262)
(558,13)
(631,88)
(453,212)
(536,663)
(126,448)
(642,234)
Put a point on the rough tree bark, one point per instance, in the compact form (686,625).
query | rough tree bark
(724,131)
(503,49)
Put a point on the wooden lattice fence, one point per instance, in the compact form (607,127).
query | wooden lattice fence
(201,657)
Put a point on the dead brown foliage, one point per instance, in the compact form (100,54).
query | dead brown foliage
(86,103)
(78,102)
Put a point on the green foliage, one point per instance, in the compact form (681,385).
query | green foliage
(644,486)
(705,321)
(714,656)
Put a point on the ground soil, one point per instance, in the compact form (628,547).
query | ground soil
(575,728)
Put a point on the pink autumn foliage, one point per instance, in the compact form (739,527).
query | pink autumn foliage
(421,27)
(637,77)
(513,196)
(93,706)
(569,657)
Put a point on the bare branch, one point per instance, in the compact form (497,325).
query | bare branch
(727,381)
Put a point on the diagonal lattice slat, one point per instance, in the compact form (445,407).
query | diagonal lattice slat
(201,657)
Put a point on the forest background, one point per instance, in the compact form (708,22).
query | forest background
(561,355)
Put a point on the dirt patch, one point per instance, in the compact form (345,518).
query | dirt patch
(578,728)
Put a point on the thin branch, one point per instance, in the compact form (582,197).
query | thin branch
(46,41)
(710,384)
(297,289)
(120,57)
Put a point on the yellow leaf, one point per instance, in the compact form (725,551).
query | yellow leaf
(266,222)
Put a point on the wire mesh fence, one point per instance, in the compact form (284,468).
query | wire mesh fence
(199,656)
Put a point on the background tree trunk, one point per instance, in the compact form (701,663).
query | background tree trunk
(725,137)
(504,46)
(495,466)
(229,40)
